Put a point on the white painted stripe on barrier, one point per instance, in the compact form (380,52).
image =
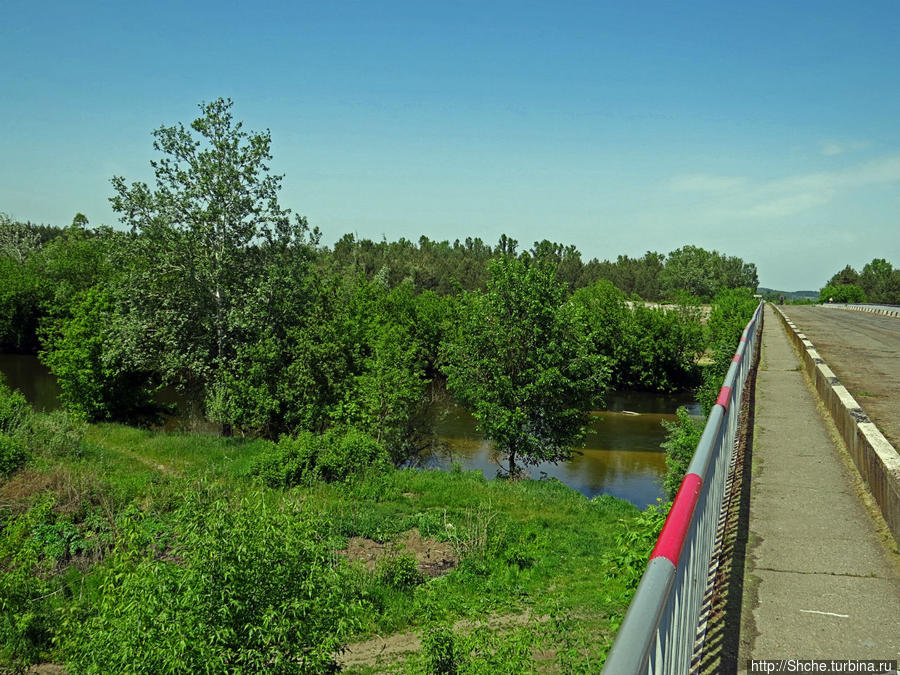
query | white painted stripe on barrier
(881,310)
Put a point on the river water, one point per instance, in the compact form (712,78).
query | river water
(621,454)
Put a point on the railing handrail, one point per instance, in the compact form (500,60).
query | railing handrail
(654,634)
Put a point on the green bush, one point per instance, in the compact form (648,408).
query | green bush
(13,453)
(87,353)
(400,572)
(731,310)
(247,587)
(849,293)
(714,375)
(439,650)
(658,350)
(291,462)
(348,452)
(628,557)
(14,411)
(57,433)
(481,651)
(27,587)
(335,455)
(681,441)
(650,349)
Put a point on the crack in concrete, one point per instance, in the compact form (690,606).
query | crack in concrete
(823,574)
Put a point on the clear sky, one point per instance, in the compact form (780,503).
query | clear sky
(769,130)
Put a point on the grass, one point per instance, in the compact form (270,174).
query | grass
(527,546)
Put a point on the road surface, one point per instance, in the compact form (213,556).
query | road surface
(863,350)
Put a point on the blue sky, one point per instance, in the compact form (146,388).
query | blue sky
(766,130)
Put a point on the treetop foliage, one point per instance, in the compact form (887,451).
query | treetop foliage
(520,357)
(878,282)
(216,290)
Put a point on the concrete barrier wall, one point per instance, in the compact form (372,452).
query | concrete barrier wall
(883,310)
(877,461)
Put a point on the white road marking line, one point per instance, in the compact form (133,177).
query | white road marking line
(813,611)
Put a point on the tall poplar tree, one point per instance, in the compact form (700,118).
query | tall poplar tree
(204,234)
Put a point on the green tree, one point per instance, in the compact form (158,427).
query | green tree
(17,241)
(385,396)
(607,314)
(843,293)
(74,262)
(86,353)
(879,281)
(521,360)
(203,232)
(704,273)
(846,276)
(20,285)
(659,349)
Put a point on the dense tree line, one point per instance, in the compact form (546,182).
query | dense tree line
(215,289)
(878,282)
(444,267)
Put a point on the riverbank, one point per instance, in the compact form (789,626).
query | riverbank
(621,454)
(408,552)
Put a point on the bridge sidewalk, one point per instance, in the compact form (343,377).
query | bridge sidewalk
(819,581)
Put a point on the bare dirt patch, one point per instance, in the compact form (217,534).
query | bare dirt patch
(46,669)
(433,557)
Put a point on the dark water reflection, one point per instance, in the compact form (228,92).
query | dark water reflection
(621,457)
(32,378)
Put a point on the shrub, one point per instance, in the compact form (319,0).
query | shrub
(439,650)
(248,587)
(333,456)
(13,453)
(90,359)
(27,623)
(849,293)
(348,452)
(658,350)
(480,651)
(731,311)
(57,433)
(681,441)
(291,462)
(633,546)
(14,411)
(400,572)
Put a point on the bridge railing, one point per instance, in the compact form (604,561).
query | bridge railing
(660,627)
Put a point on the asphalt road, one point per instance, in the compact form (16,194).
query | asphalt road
(863,350)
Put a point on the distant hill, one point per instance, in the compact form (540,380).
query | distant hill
(788,295)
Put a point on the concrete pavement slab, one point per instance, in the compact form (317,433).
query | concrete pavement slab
(819,581)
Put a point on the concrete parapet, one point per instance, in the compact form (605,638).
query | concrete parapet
(871,309)
(877,461)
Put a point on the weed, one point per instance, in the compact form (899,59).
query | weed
(400,572)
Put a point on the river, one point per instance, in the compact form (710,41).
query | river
(621,454)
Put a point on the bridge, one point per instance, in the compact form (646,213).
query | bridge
(783,541)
